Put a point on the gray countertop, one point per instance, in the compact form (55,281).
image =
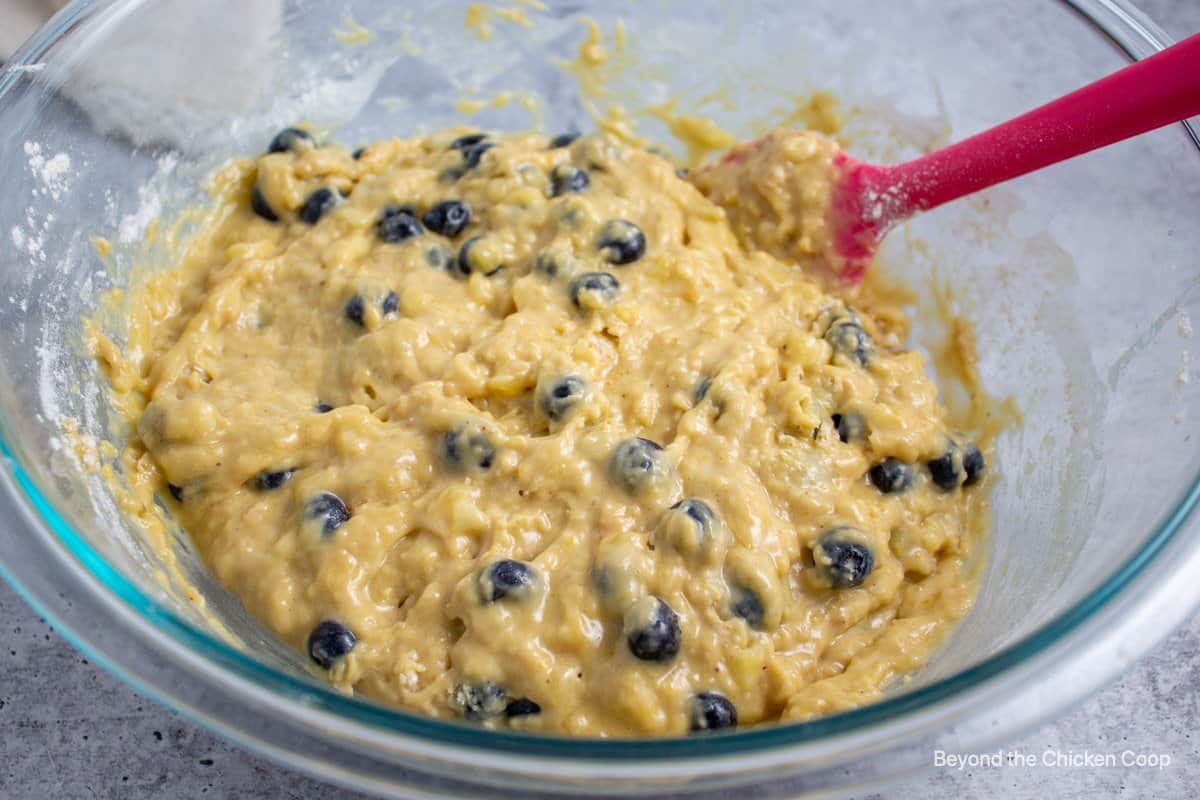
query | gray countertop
(68,729)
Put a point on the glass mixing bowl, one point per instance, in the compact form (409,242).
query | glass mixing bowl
(1081,282)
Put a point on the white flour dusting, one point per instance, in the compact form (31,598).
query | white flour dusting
(150,203)
(52,171)
(53,176)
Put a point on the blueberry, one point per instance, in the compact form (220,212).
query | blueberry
(318,204)
(470,259)
(472,154)
(701,390)
(560,396)
(268,480)
(950,470)
(636,463)
(843,556)
(176,492)
(563,139)
(711,711)
(688,527)
(523,707)
(322,408)
(483,700)
(260,205)
(570,214)
(698,510)
(506,579)
(329,510)
(592,289)
(329,642)
(460,265)
(747,605)
(287,139)
(566,179)
(440,257)
(472,146)
(619,572)
(621,242)
(603,580)
(549,264)
(973,465)
(448,217)
(468,140)
(945,470)
(390,304)
(354,310)
(397,223)
(468,447)
(652,630)
(891,476)
(358,153)
(851,427)
(848,339)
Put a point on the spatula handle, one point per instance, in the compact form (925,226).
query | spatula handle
(1154,92)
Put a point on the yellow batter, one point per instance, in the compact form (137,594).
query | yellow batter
(587,461)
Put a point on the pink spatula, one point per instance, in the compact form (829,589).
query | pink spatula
(867,199)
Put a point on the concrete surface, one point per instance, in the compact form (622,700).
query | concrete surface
(69,730)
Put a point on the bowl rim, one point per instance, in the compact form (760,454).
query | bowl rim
(1128,28)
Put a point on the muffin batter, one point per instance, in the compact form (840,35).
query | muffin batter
(526,432)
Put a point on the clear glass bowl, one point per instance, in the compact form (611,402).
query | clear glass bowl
(1081,281)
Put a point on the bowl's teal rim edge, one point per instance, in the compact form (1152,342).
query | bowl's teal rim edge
(388,720)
